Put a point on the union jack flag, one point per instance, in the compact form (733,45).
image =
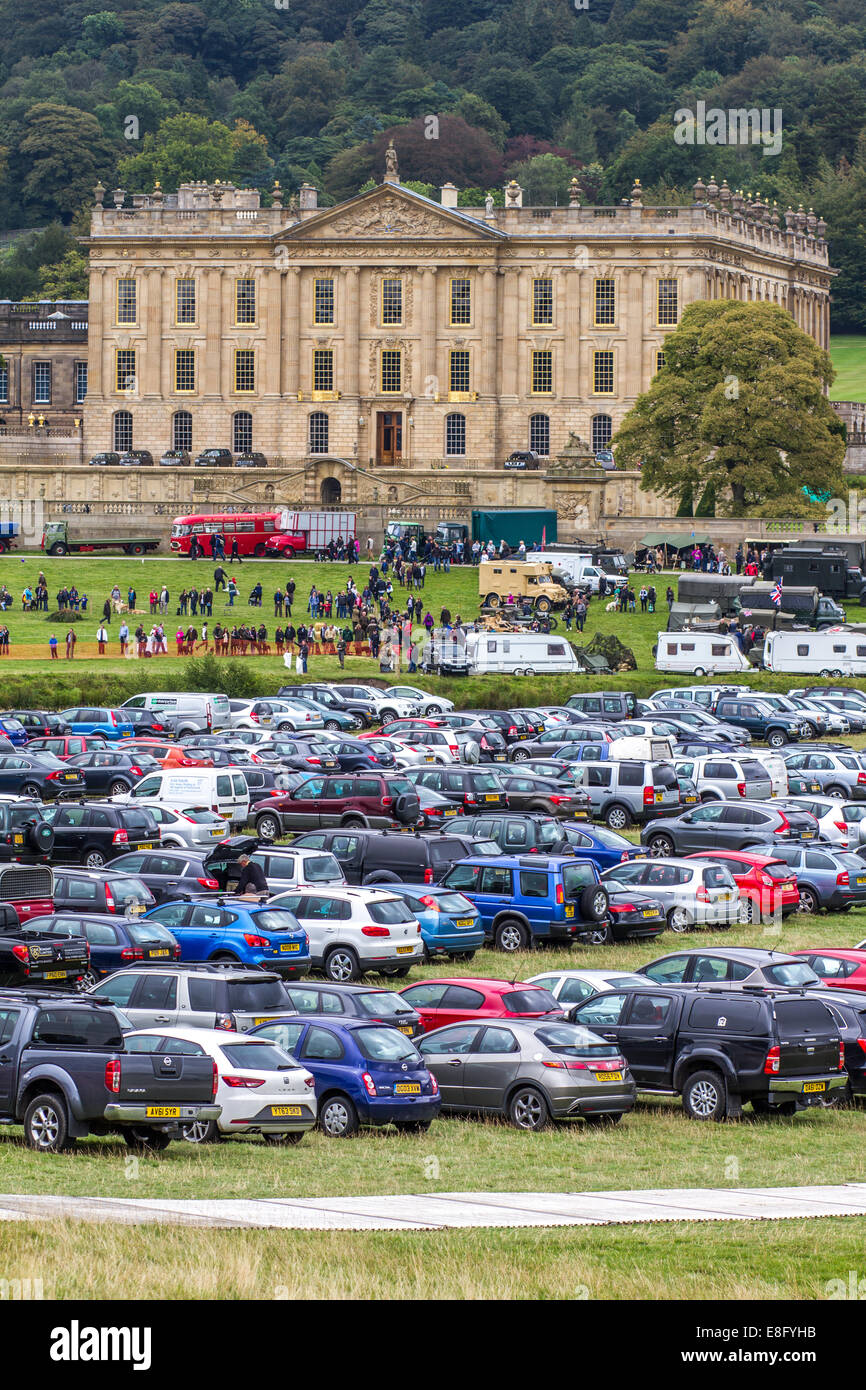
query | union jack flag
(776,594)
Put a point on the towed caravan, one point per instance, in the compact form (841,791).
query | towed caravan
(700,653)
(519,653)
(836,651)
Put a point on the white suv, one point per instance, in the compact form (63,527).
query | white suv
(274,714)
(386,705)
(356,930)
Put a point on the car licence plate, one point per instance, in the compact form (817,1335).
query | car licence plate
(70,777)
(806,835)
(54,975)
(135,909)
(429,758)
(18,839)
(814,1085)
(860,880)
(569,911)
(451,812)
(492,796)
(407,1088)
(269,1019)
(405,950)
(290,946)
(217,831)
(162,1112)
(146,844)
(659,796)
(608,1076)
(650,912)
(403,1028)
(499,758)
(463,921)
(163,952)
(689,799)
(724,897)
(278,1111)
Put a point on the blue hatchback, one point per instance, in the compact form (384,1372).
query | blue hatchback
(450,924)
(14,730)
(115,942)
(237,931)
(604,847)
(90,719)
(366,1073)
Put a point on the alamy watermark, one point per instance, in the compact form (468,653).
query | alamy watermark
(740,126)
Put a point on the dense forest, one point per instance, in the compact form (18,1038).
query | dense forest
(258,90)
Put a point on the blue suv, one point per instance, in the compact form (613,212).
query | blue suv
(537,898)
(366,1073)
(238,932)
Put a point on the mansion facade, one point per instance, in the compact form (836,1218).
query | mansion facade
(395,334)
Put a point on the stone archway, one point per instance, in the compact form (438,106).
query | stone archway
(331,492)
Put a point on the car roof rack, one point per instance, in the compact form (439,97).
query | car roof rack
(34,994)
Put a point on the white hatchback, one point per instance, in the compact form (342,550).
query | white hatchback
(261,1088)
(427,704)
(354,931)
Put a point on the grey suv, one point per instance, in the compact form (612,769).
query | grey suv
(626,791)
(195,996)
(837,774)
(718,778)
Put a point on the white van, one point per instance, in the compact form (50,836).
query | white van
(580,569)
(836,651)
(699,653)
(519,653)
(220,789)
(642,748)
(187,711)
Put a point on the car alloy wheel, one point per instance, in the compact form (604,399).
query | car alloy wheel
(617,818)
(808,903)
(521,756)
(678,919)
(267,828)
(95,860)
(511,936)
(747,911)
(118,789)
(705,1097)
(527,1109)
(599,936)
(44,1127)
(660,847)
(341,966)
(200,1132)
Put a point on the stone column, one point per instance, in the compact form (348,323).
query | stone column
(630,370)
(351,337)
(95,333)
(291,331)
(510,351)
(488,366)
(567,288)
(163,368)
(586,333)
(213,327)
(152,321)
(270,291)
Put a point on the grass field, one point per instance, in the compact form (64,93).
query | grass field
(849,359)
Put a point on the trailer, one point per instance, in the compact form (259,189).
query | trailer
(837,651)
(56,540)
(8,534)
(309,532)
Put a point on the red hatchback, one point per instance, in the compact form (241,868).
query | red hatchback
(767,886)
(461,1000)
(840,968)
(67,745)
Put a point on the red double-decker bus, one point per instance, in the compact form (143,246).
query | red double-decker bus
(252,530)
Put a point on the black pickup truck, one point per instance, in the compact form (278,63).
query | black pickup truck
(718,1049)
(28,958)
(64,1073)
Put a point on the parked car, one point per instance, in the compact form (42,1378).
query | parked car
(528,791)
(95,832)
(12,731)
(193,829)
(726,825)
(112,772)
(767,887)
(353,931)
(38,958)
(720,1049)
(827,878)
(25,836)
(38,776)
(38,723)
(250,459)
(467,788)
(621,793)
(107,459)
(732,966)
(573,986)
(65,746)
(526,899)
(692,893)
(771,726)
(196,995)
(114,941)
(260,1088)
(283,715)
(214,458)
(335,702)
(837,774)
(613,706)
(427,704)
(718,778)
(365,1074)
(838,967)
(385,705)
(368,1002)
(239,932)
(443,1001)
(450,924)
(135,458)
(102,891)
(529,1072)
(340,799)
(391,856)
(175,458)
(168,872)
(111,723)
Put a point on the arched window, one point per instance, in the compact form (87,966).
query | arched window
(122,430)
(181,430)
(602,429)
(331,492)
(539,434)
(242,432)
(455,434)
(319,432)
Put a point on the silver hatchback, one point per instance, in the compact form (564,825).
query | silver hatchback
(693,892)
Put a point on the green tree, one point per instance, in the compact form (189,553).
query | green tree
(739,407)
(544,179)
(68,278)
(191,147)
(63,153)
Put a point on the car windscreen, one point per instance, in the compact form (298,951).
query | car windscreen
(257,995)
(796,973)
(797,1017)
(322,868)
(258,1056)
(129,890)
(144,933)
(574,1041)
(88,1028)
(276,919)
(382,1001)
(389,911)
(385,1045)
(530,1001)
(576,877)
(455,903)
(665,776)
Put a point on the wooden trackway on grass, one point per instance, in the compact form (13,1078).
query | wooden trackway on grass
(450,1210)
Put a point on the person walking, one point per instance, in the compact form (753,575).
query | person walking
(106,611)
(219,578)
(101,639)
(52,646)
(235,556)
(71,639)
(232,591)
(669,600)
(580,614)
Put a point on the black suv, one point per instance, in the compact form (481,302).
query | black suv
(517,833)
(214,458)
(513,726)
(38,723)
(718,1048)
(390,856)
(467,787)
(94,832)
(25,835)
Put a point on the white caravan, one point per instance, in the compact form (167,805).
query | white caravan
(519,653)
(699,653)
(836,651)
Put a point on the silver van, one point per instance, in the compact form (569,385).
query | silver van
(623,792)
(186,712)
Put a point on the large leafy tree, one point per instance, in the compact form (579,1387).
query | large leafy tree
(739,405)
(192,147)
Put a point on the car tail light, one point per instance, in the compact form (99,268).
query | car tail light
(512,729)
(649,796)
(112,1077)
(766,881)
(429,902)
(137,770)
(21,953)
(702,895)
(215,808)
(225,1022)
(773,1061)
(368,1083)
(387,801)
(120,837)
(113,717)
(560,800)
(861,778)
(207,882)
(132,953)
(841,825)
(375,931)
(841,1054)
(560,895)
(434,1085)
(572,1064)
(250,1082)
(784,827)
(861,1043)
(255,719)
(252,940)
(309,1081)
(177,953)
(622,907)
(428,875)
(741,789)
(110,905)
(51,776)
(842,879)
